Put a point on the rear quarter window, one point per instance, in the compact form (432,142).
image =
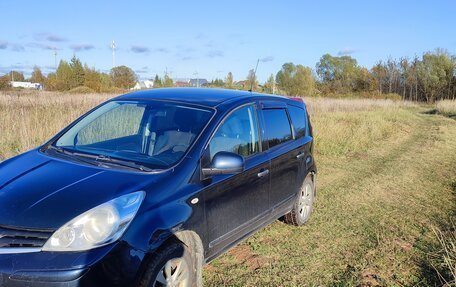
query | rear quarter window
(298,119)
(277,126)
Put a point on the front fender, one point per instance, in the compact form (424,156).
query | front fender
(157,222)
(152,227)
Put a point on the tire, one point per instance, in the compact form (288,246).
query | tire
(174,259)
(303,206)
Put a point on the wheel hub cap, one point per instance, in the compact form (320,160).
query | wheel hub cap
(175,273)
(305,200)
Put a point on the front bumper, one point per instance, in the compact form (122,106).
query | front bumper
(113,265)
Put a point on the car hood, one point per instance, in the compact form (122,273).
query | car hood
(38,191)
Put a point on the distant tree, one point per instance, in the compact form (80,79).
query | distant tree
(393,74)
(167,81)
(411,79)
(16,76)
(436,71)
(295,80)
(4,82)
(51,82)
(338,73)
(37,76)
(403,75)
(77,71)
(64,76)
(157,82)
(269,86)
(123,77)
(92,79)
(379,73)
(284,77)
(251,82)
(217,83)
(106,82)
(229,81)
(364,81)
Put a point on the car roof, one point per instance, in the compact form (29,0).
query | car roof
(198,96)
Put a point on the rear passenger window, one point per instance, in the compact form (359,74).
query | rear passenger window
(298,120)
(277,125)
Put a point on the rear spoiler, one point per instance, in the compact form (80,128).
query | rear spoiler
(297,99)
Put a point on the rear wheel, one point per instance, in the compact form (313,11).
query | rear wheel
(302,208)
(171,266)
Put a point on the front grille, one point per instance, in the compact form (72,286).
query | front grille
(22,238)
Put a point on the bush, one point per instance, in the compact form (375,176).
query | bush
(81,90)
(4,83)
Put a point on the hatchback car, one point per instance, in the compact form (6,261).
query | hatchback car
(146,188)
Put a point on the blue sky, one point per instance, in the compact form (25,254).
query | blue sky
(215,37)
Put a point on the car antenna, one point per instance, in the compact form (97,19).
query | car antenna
(254,76)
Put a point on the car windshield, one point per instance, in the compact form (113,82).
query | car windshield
(150,134)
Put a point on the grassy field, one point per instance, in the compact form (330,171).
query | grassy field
(386,195)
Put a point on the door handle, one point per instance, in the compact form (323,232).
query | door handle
(263,173)
(300,155)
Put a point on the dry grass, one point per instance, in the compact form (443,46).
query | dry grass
(444,259)
(29,119)
(447,107)
(325,105)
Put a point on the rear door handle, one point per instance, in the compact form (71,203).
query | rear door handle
(263,173)
(300,155)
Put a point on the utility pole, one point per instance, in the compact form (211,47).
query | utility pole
(273,87)
(12,76)
(254,76)
(55,59)
(113,48)
(197,79)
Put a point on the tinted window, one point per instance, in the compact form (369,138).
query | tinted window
(278,128)
(238,133)
(298,119)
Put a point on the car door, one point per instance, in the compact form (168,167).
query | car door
(235,204)
(283,151)
(303,139)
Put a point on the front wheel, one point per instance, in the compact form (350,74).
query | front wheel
(171,266)
(302,208)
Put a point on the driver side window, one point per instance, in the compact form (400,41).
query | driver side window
(238,133)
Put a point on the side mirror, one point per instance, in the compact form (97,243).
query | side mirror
(225,163)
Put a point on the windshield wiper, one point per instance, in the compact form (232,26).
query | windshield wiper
(95,159)
(60,150)
(125,163)
(74,155)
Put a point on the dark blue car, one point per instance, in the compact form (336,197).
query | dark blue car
(146,188)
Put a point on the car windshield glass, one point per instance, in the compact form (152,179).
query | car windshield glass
(153,134)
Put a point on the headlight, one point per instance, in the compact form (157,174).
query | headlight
(97,227)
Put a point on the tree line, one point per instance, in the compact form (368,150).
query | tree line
(427,78)
(73,75)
